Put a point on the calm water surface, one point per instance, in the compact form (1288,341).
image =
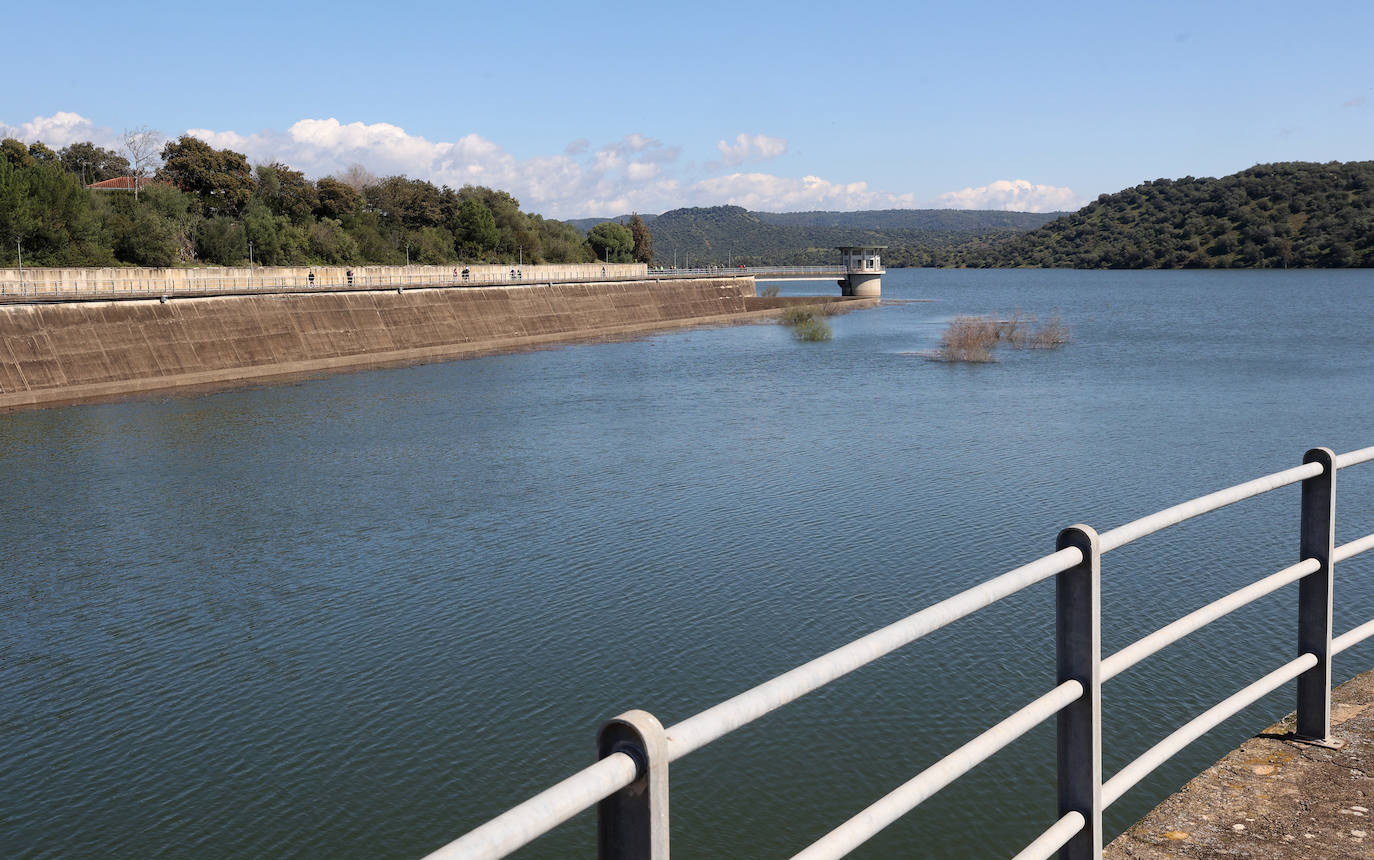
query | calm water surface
(358,616)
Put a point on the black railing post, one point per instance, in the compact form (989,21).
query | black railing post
(1314,597)
(1078,657)
(632,824)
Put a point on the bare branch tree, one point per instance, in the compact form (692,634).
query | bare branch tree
(357,177)
(140,146)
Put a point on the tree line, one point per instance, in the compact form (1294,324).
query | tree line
(209,206)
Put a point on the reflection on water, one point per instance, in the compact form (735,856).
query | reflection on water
(360,615)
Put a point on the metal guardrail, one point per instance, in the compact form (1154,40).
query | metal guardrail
(142,287)
(114,288)
(629,783)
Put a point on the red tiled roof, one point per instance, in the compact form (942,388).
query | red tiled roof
(120,183)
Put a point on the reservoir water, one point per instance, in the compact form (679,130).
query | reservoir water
(358,616)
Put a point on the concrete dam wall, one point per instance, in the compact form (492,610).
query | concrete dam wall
(68,352)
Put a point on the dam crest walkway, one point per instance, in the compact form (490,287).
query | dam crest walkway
(111,284)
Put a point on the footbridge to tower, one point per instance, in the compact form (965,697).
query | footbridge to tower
(859,273)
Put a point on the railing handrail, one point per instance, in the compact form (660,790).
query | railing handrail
(485,275)
(618,770)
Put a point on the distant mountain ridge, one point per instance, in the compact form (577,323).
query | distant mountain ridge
(728,235)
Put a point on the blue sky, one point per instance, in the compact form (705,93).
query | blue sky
(584,109)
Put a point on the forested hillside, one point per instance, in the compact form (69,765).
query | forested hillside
(730,235)
(207,206)
(1284,215)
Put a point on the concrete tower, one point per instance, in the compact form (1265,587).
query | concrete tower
(863,266)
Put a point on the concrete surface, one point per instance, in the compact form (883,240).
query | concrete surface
(1274,797)
(114,280)
(69,352)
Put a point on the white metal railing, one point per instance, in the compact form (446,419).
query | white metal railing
(629,783)
(776,271)
(18,289)
(116,287)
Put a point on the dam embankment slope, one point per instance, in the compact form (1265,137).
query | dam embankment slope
(79,351)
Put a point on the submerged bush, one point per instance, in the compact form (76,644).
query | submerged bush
(973,338)
(968,339)
(812,329)
(806,323)
(1051,335)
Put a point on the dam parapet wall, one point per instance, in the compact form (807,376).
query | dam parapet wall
(114,281)
(67,352)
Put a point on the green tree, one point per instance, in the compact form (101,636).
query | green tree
(92,163)
(643,240)
(41,153)
(15,152)
(330,243)
(336,199)
(612,242)
(474,230)
(406,203)
(222,241)
(519,235)
(562,242)
(220,178)
(432,246)
(287,192)
(49,212)
(142,237)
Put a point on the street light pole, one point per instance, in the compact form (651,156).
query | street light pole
(250,264)
(19,243)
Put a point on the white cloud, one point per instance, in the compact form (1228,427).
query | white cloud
(1015,195)
(61,129)
(769,193)
(633,173)
(746,146)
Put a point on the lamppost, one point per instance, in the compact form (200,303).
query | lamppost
(19,243)
(250,264)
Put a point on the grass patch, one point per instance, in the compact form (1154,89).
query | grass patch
(771,291)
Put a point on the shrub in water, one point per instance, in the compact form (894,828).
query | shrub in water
(973,339)
(968,339)
(812,329)
(1051,335)
(806,323)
